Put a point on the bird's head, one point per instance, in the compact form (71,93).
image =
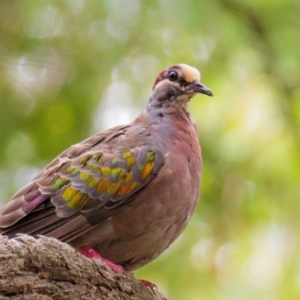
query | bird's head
(179,83)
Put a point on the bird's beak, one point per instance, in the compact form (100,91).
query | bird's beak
(198,87)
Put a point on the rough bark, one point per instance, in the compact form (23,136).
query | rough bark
(44,268)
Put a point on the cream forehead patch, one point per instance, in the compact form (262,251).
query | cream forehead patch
(190,73)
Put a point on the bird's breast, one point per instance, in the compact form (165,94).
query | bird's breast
(147,225)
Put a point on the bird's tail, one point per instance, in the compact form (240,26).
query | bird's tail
(21,204)
(32,213)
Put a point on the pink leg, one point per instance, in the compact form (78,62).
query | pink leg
(89,252)
(148,284)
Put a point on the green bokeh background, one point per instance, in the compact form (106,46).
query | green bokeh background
(72,68)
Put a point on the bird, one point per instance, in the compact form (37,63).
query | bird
(127,192)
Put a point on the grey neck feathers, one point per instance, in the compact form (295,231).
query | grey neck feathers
(165,108)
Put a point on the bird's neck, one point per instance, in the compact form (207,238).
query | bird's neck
(169,121)
(163,111)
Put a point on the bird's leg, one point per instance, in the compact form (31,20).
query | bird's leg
(148,284)
(89,252)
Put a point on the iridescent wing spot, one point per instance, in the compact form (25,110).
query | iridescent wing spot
(105,177)
(59,183)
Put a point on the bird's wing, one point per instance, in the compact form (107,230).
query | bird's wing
(98,174)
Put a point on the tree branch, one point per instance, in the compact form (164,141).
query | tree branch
(46,269)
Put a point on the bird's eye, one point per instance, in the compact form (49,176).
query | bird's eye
(173,75)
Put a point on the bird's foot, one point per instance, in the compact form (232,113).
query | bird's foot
(148,284)
(89,252)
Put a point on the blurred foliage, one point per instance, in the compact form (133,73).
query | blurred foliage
(72,68)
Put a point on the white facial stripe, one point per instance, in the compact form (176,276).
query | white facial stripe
(167,81)
(190,73)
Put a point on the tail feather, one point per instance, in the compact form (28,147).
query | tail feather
(12,212)
(44,221)
(30,224)
(69,230)
(32,212)
(22,203)
(54,225)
